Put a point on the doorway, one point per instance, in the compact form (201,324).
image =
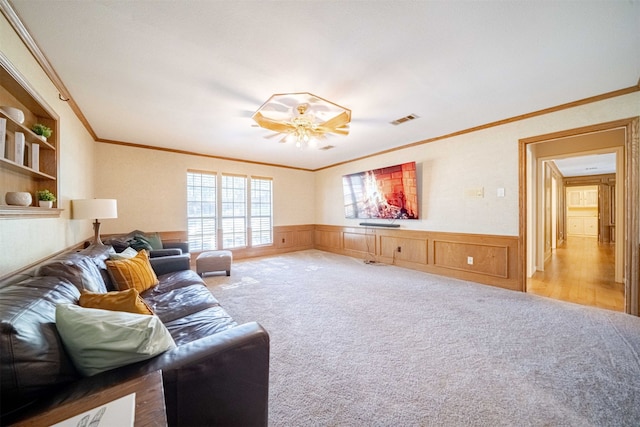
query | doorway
(579,262)
(620,137)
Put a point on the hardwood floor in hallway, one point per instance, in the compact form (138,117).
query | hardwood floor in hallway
(580,271)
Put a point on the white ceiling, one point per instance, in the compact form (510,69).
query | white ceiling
(595,164)
(188,75)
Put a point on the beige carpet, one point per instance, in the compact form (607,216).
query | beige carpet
(377,345)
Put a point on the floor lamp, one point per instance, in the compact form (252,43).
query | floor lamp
(95,209)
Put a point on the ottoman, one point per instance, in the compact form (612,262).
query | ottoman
(210,261)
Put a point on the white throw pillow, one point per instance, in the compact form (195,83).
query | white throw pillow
(98,340)
(126,254)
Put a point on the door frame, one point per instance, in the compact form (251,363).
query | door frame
(631,202)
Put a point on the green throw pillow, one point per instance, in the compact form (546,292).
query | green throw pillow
(154,240)
(98,340)
(139,242)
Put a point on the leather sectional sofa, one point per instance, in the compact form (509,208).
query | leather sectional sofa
(217,374)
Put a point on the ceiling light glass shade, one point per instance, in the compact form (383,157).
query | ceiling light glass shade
(302,116)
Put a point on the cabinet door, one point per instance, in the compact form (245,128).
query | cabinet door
(576,225)
(590,198)
(574,198)
(591,226)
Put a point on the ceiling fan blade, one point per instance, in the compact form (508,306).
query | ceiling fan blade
(338,121)
(339,131)
(275,126)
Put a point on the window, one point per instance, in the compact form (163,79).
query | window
(234,211)
(261,216)
(201,211)
(245,206)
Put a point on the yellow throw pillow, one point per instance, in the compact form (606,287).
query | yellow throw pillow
(134,273)
(129,301)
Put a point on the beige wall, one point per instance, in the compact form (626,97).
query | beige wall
(448,168)
(150,186)
(23,242)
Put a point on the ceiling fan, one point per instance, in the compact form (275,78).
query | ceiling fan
(301,117)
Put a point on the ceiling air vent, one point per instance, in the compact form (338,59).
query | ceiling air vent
(404,119)
(326,147)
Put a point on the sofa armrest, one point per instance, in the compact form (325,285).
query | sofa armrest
(221,379)
(169,264)
(155,253)
(183,246)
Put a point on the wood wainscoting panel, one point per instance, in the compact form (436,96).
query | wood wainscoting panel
(173,236)
(404,249)
(359,243)
(485,259)
(494,257)
(328,239)
(286,238)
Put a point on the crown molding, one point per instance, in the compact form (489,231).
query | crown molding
(41,59)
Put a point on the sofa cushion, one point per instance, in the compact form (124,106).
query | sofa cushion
(175,280)
(199,325)
(179,302)
(134,273)
(77,268)
(128,301)
(99,340)
(32,356)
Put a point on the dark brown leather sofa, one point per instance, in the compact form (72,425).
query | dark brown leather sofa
(218,373)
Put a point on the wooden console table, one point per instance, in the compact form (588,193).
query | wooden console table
(149,410)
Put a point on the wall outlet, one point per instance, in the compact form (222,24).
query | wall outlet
(470,260)
(399,249)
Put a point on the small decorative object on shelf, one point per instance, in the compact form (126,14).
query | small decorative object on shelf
(16,148)
(14,113)
(41,130)
(3,135)
(35,157)
(45,198)
(18,198)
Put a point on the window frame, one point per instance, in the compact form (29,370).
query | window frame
(228,207)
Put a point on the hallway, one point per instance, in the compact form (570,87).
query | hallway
(580,271)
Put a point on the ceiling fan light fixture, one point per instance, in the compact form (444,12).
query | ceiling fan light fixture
(302,117)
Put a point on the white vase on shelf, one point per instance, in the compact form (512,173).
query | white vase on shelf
(14,113)
(45,204)
(18,198)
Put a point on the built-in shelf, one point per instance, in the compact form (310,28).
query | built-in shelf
(7,211)
(38,168)
(9,164)
(30,136)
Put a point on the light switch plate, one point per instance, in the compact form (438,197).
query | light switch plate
(474,193)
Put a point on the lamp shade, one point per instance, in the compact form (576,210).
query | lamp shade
(94,208)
